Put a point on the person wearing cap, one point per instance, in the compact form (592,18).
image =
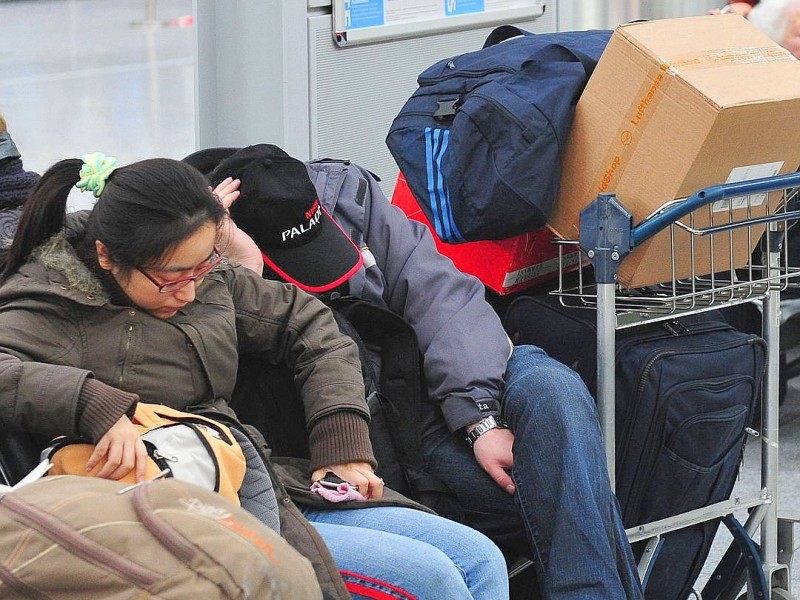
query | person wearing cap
(15,184)
(133,301)
(513,433)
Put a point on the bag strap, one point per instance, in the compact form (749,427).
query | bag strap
(150,416)
(503,33)
(19,454)
(346,326)
(506,32)
(401,391)
(400,381)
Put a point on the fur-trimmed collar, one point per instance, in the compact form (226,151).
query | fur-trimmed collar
(58,254)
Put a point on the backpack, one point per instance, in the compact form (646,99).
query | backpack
(265,396)
(191,447)
(83,538)
(480,141)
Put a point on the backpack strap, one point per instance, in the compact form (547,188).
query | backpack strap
(400,392)
(503,33)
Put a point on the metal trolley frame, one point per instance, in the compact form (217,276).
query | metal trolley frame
(607,237)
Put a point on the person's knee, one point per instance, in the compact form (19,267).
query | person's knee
(437,569)
(398,566)
(492,564)
(530,365)
(540,388)
(472,558)
(482,565)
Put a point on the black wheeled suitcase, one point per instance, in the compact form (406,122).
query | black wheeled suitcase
(686,389)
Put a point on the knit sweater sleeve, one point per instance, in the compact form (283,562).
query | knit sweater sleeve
(287,326)
(339,438)
(100,406)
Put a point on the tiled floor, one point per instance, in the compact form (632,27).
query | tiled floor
(85,75)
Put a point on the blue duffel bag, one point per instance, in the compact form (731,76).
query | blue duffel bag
(480,141)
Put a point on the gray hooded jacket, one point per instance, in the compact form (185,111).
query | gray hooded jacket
(463,343)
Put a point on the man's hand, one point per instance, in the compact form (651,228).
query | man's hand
(359,475)
(493,453)
(122,450)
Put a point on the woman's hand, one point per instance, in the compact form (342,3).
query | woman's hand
(236,244)
(122,450)
(359,475)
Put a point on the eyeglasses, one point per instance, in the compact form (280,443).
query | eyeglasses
(173,286)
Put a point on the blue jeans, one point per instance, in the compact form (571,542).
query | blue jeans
(409,554)
(564,515)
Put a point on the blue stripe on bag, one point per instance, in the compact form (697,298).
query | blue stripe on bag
(436,142)
(451,231)
(437,224)
(436,184)
(506,125)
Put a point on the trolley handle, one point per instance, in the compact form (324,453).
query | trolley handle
(655,223)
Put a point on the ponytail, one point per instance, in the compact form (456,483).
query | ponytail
(43,213)
(142,210)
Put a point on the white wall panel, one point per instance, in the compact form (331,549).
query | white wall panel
(270,72)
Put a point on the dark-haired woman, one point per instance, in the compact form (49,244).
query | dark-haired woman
(133,301)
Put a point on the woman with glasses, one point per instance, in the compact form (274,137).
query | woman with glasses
(133,301)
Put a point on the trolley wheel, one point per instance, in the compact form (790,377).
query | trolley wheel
(777,594)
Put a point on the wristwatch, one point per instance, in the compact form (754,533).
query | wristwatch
(484,425)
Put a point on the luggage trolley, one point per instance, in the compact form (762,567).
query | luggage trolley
(607,236)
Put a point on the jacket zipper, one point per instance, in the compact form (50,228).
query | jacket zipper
(467,73)
(127,348)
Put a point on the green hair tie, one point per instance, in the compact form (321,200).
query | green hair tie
(95,172)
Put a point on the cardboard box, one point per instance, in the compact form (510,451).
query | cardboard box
(673,106)
(504,266)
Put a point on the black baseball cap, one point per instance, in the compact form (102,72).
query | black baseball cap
(279,208)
